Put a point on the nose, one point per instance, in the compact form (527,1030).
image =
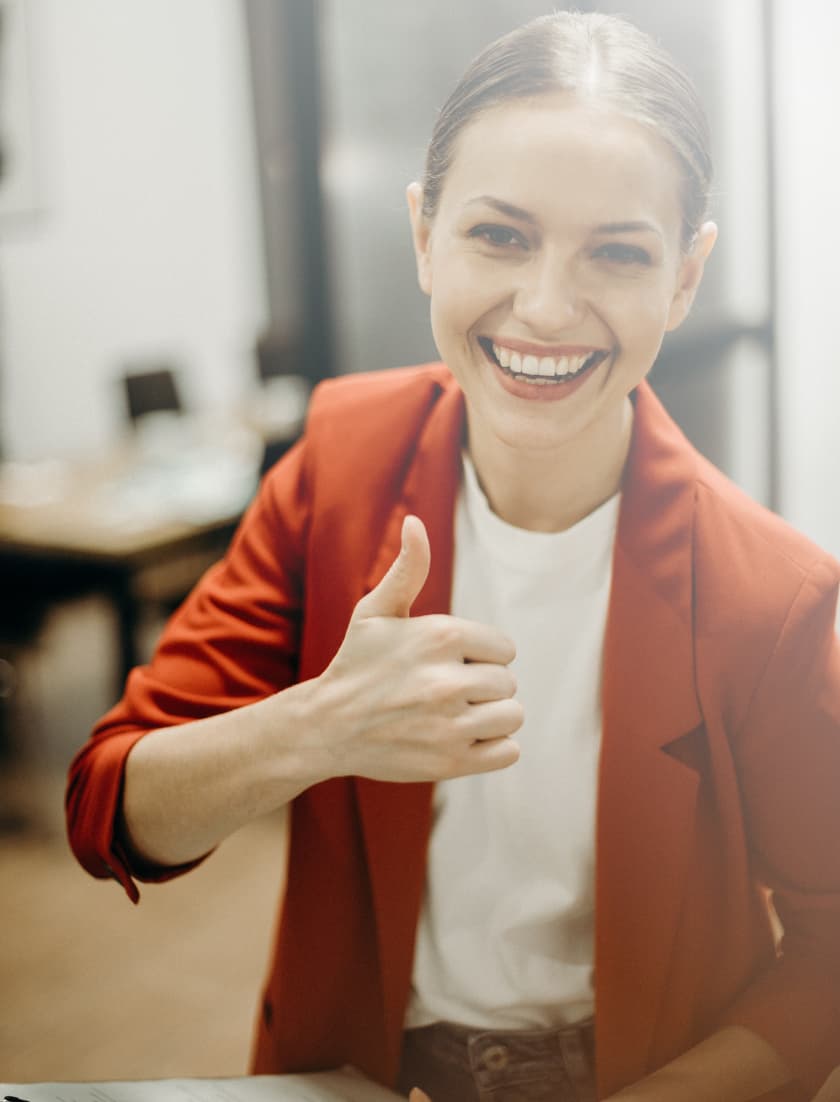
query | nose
(548,298)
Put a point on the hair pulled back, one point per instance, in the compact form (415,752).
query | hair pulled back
(594,57)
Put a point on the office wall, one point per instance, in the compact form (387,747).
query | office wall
(808,277)
(147,240)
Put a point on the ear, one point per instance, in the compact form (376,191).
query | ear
(421,232)
(690,274)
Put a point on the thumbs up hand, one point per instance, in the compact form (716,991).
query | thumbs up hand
(404,579)
(414,699)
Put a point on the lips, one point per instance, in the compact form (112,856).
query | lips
(528,363)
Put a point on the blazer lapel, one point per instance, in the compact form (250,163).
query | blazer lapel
(396,818)
(647,786)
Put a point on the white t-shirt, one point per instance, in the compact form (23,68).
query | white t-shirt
(506,932)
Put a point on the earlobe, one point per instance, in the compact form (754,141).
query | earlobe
(690,275)
(420,235)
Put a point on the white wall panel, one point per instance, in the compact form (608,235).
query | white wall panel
(147,243)
(808,282)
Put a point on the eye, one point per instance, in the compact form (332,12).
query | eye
(619,253)
(499,237)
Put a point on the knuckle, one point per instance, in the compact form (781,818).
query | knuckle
(443,631)
(438,687)
(469,723)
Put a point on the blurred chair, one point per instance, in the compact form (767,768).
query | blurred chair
(277,353)
(154,389)
(151,391)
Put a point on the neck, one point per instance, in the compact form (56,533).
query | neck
(549,490)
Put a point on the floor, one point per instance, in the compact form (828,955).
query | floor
(92,986)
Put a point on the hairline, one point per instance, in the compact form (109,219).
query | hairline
(591,95)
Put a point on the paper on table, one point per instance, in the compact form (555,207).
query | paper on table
(345,1085)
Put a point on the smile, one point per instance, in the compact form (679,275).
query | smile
(542,370)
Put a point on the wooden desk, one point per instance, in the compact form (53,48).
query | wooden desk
(137,527)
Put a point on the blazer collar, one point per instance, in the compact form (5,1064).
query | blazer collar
(651,715)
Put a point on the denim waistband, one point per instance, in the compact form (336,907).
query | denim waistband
(458,1063)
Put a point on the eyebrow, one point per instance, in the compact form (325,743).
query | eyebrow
(522,215)
(503,208)
(628,227)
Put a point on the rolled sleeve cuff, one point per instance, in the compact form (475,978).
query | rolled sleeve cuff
(93,821)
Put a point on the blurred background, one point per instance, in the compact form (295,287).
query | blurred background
(201,215)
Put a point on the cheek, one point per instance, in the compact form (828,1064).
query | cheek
(444,317)
(451,334)
(459,300)
(639,319)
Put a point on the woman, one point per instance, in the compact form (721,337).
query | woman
(612,716)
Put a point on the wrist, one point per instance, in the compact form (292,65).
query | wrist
(291,753)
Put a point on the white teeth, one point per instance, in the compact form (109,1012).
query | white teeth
(538,369)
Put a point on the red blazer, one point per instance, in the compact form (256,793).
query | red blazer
(720,766)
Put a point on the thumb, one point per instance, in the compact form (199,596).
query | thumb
(416,1095)
(405,577)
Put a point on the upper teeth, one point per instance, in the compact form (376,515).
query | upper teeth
(538,366)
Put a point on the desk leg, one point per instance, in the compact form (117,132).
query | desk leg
(128,618)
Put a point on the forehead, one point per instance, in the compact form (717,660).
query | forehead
(556,156)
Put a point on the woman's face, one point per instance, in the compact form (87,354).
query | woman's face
(554,266)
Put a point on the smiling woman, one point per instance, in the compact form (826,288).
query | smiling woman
(587,268)
(555,706)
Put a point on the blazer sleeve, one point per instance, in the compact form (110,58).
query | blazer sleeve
(234,641)
(788,760)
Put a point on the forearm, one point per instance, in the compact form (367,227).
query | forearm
(188,787)
(403,700)
(733,1065)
